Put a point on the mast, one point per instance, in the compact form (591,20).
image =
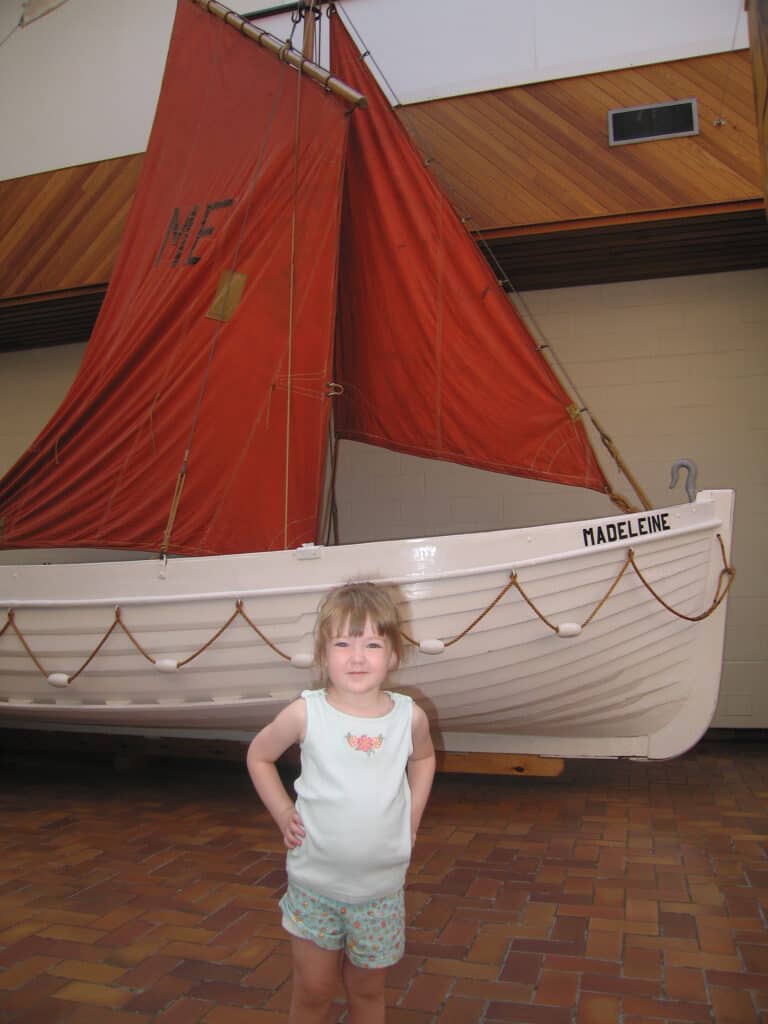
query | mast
(308,44)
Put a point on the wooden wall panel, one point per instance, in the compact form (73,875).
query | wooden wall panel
(539,154)
(758,44)
(527,160)
(60,230)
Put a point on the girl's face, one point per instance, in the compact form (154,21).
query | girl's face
(358,666)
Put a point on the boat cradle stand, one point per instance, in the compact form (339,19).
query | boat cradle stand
(483,763)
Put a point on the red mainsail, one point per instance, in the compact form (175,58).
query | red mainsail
(186,424)
(433,358)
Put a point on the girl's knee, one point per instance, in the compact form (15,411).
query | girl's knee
(315,974)
(365,994)
(315,988)
(311,1000)
(314,992)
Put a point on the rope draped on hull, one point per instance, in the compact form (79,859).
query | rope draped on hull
(427,646)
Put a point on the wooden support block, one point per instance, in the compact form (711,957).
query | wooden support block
(480,763)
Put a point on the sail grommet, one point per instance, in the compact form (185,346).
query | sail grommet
(301,660)
(431,647)
(166,665)
(59,679)
(567,629)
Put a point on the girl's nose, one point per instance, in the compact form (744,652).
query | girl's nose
(357,652)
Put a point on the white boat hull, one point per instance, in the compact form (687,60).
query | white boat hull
(637,681)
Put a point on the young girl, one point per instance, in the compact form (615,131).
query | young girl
(367,764)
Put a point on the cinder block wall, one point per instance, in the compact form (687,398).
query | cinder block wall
(32,385)
(674,368)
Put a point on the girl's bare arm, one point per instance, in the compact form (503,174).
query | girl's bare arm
(421,768)
(266,747)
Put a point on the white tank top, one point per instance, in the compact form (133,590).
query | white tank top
(355,802)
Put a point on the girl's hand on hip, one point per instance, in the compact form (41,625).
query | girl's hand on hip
(292,828)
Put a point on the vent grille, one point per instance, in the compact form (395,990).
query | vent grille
(654,121)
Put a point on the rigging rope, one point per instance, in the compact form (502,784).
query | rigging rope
(5,38)
(364,51)
(291,300)
(720,120)
(309,11)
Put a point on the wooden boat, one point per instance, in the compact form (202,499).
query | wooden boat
(290,272)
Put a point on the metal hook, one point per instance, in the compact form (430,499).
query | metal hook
(690,479)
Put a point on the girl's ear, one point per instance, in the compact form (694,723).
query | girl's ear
(393,661)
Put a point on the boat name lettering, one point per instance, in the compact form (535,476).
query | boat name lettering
(626,529)
(178,233)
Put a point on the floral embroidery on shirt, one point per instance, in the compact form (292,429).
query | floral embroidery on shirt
(368,744)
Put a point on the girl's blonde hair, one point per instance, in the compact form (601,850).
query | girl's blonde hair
(347,609)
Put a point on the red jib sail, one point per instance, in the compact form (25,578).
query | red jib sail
(433,358)
(188,422)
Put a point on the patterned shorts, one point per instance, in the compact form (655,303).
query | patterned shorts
(372,934)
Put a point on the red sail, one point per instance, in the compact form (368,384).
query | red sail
(223,419)
(433,358)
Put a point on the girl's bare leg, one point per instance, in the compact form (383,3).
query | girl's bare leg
(365,993)
(315,981)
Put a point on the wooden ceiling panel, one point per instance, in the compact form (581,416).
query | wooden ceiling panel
(60,230)
(529,167)
(541,155)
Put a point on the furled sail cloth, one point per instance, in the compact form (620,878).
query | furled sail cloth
(169,394)
(433,358)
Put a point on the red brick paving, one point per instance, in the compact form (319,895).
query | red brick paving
(618,893)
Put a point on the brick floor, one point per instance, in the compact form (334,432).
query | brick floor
(618,892)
